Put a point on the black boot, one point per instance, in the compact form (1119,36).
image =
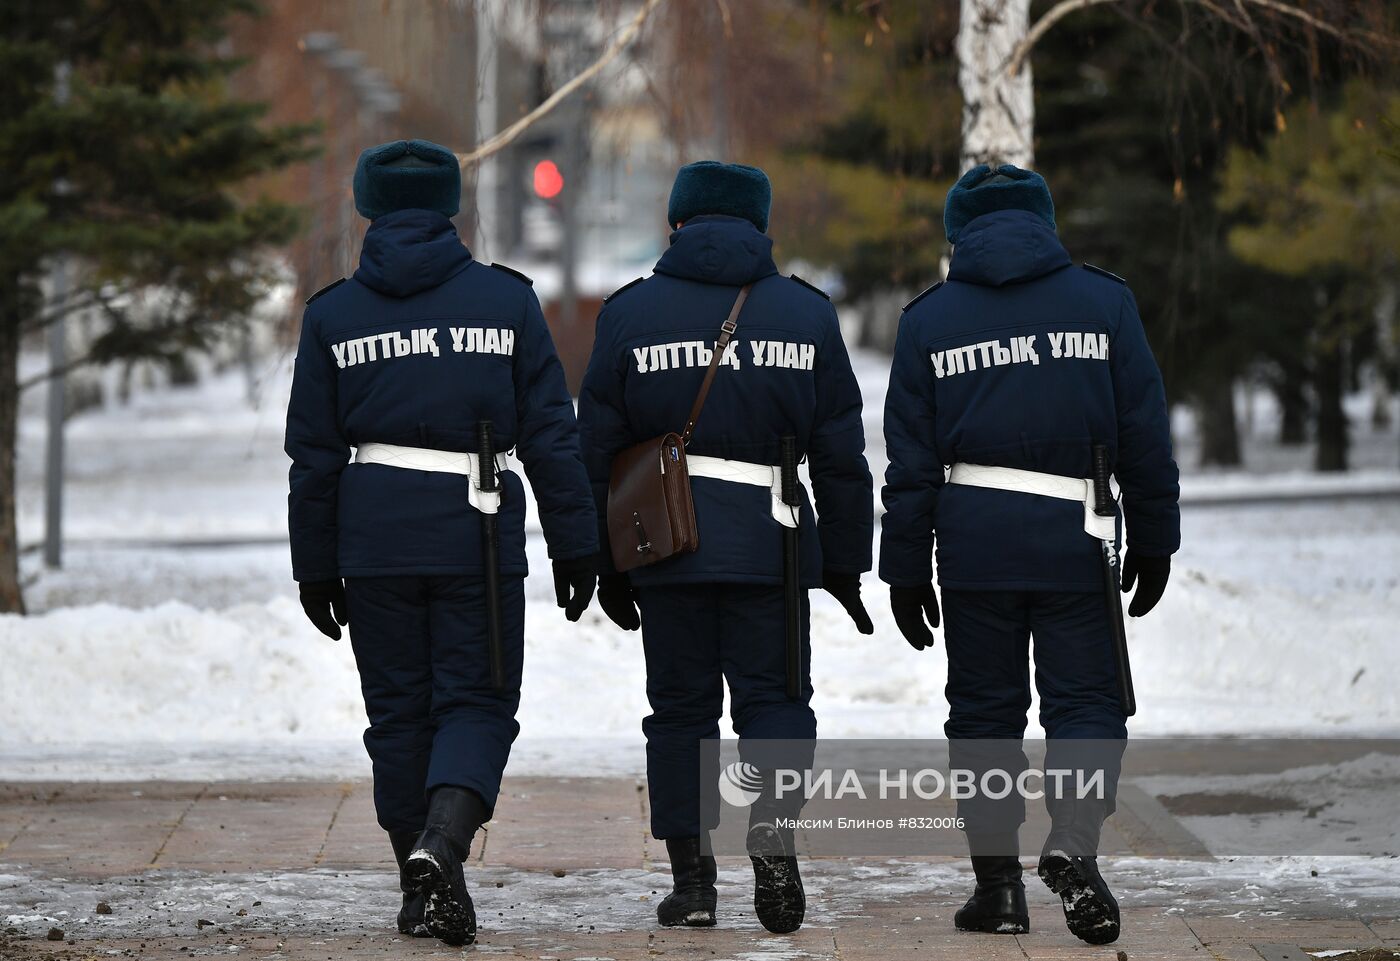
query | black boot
(998,904)
(692,902)
(1069,860)
(434,869)
(778,898)
(411,913)
(1090,909)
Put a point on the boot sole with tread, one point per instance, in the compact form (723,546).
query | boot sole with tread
(1087,915)
(446,918)
(778,897)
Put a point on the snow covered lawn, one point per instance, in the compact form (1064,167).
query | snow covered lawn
(151,660)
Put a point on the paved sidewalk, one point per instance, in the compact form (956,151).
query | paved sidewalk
(298,871)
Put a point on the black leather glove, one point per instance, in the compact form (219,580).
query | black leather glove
(911,605)
(846,589)
(618,599)
(580,576)
(1150,574)
(324,604)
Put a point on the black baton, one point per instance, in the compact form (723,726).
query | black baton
(792,583)
(1105,507)
(488,483)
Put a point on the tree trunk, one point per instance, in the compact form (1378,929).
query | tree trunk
(998,121)
(1328,380)
(11,597)
(1220,435)
(1293,408)
(1380,406)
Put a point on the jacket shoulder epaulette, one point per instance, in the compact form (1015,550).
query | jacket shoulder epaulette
(629,284)
(514,273)
(809,285)
(330,286)
(1105,273)
(926,291)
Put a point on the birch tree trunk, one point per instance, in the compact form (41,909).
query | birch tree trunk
(998,121)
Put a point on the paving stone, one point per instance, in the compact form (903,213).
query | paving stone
(250,827)
(1232,951)
(1387,929)
(120,835)
(111,833)
(1323,933)
(566,823)
(355,838)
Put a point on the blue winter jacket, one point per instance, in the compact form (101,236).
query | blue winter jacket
(789,374)
(417,348)
(1020,360)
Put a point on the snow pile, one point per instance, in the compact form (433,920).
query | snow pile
(106,673)
(1226,655)
(1218,656)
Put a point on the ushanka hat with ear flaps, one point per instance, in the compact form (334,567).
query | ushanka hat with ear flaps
(407,175)
(984,189)
(711,187)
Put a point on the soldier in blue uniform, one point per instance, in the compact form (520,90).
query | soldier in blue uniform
(403,364)
(717,614)
(1008,375)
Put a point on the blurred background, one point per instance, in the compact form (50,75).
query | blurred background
(177,183)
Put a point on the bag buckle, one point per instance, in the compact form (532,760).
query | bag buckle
(643,544)
(729,326)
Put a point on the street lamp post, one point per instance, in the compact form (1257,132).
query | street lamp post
(57,407)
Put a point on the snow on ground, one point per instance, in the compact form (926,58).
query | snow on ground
(511,901)
(1337,808)
(143,658)
(183,462)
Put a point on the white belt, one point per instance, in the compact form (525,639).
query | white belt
(440,461)
(1079,489)
(742,472)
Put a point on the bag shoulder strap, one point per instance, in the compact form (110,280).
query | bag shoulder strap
(726,331)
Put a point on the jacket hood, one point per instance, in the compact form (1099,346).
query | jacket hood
(718,249)
(409,251)
(1006,247)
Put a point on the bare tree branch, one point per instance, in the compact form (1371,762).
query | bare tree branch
(619,43)
(82,360)
(1064,8)
(1247,25)
(77,300)
(726,19)
(1042,26)
(1288,10)
(180,317)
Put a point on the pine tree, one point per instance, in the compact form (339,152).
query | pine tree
(859,183)
(136,177)
(1323,203)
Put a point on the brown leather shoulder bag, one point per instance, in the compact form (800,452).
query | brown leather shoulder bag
(651,515)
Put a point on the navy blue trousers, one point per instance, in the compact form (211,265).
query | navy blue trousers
(697,637)
(420,645)
(988,636)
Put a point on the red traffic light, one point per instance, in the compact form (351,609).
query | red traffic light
(549,182)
